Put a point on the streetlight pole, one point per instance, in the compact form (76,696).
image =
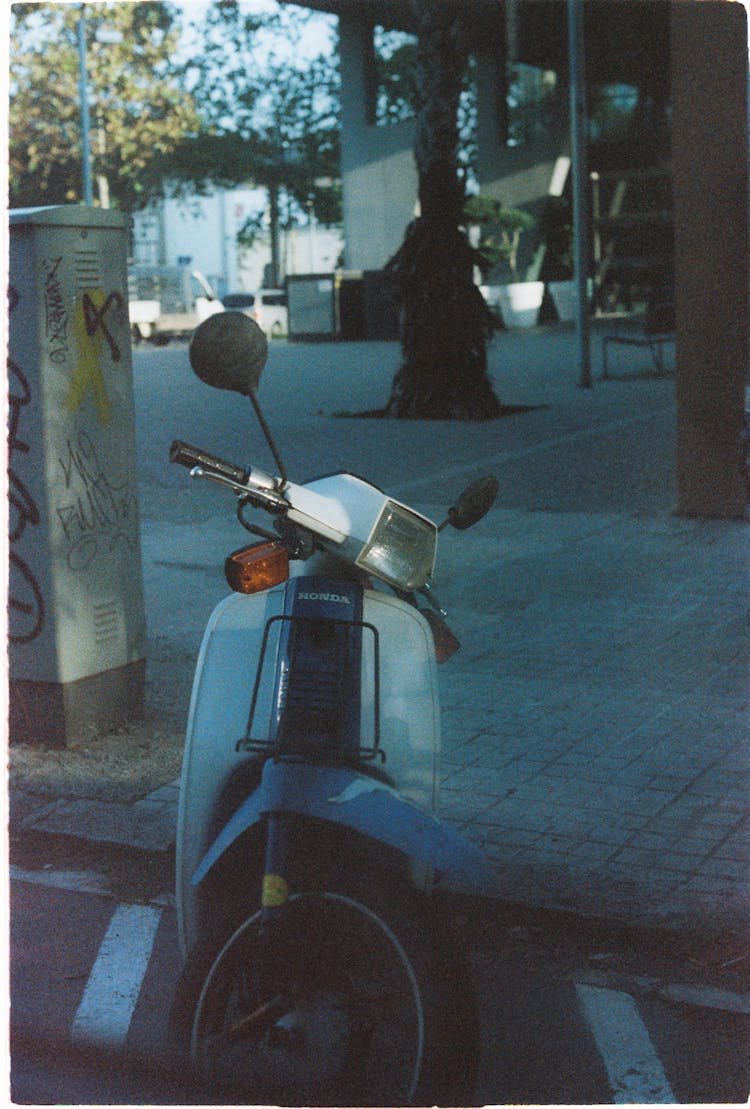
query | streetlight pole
(88,187)
(579,181)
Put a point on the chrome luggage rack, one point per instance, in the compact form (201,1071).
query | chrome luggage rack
(315,713)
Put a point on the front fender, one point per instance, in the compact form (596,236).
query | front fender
(359,802)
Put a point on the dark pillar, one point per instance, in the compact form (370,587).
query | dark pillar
(710,165)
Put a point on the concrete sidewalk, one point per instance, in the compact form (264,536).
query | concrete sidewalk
(595,722)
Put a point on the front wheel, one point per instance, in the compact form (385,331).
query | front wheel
(348,1005)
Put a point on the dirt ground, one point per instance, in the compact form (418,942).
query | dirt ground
(122,766)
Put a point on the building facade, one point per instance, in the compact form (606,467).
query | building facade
(204,233)
(666,111)
(519,103)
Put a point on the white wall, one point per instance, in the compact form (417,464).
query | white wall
(202,233)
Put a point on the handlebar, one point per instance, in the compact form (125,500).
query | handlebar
(252,485)
(185,455)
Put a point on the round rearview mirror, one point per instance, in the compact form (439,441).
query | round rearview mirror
(474,503)
(228,350)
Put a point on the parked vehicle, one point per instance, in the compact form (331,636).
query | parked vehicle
(143,314)
(268,307)
(317,970)
(168,302)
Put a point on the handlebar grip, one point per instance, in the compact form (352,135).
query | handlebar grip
(185,455)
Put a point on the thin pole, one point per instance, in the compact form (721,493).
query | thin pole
(88,187)
(269,439)
(576,58)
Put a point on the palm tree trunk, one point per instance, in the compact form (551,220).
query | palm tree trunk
(446,323)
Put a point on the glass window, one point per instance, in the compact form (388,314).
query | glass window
(531,102)
(610,110)
(395,86)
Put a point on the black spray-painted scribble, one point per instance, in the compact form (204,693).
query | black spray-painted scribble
(95,316)
(91,329)
(56,316)
(25,600)
(99,515)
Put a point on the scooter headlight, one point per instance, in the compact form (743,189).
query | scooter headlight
(401,547)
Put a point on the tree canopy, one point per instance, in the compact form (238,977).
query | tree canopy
(238,109)
(238,105)
(140,109)
(269,112)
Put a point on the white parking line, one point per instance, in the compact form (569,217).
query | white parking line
(633,1067)
(107,1005)
(77,881)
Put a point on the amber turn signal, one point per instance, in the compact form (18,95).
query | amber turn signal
(253,569)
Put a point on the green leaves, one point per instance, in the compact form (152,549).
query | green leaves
(500,230)
(268,113)
(235,103)
(138,106)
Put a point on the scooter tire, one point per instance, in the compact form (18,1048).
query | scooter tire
(374,1006)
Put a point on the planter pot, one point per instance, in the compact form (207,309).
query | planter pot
(564,297)
(520,302)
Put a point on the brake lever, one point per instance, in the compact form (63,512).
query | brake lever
(262,498)
(446,643)
(220,479)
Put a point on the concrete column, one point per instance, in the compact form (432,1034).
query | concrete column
(377,163)
(710,167)
(492,109)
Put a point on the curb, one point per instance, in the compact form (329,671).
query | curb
(146,825)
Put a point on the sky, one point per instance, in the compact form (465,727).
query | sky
(318,34)
(317,39)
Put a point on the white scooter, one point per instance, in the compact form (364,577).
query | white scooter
(316,972)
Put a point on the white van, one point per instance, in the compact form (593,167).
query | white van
(268,307)
(168,302)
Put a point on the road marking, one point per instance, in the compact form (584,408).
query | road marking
(499,457)
(107,1005)
(81,881)
(633,1067)
(699,997)
(75,881)
(706,997)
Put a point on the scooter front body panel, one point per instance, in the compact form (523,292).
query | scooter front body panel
(236,670)
(357,802)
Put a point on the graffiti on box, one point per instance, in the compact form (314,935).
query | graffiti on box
(91,328)
(25,600)
(56,318)
(97,514)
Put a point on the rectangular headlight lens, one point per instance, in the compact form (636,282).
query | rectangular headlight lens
(401,548)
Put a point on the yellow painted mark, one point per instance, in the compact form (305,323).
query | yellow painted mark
(90,329)
(275,891)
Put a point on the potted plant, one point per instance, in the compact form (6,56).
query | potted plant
(557,235)
(500,231)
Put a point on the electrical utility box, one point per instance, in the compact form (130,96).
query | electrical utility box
(311,304)
(76,617)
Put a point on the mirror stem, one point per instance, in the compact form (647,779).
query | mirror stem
(269,439)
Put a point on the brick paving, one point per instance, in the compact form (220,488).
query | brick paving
(611,773)
(595,724)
